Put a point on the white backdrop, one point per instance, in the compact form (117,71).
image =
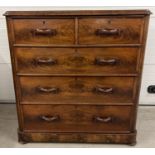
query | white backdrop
(6,83)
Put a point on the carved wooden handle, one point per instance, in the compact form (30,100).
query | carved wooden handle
(102,119)
(48,90)
(103,90)
(50,118)
(106,31)
(101,61)
(44,31)
(46,61)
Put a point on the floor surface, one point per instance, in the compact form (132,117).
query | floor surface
(8,131)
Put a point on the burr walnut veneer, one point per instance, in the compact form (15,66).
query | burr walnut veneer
(77,74)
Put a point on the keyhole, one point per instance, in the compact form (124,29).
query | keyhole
(44,22)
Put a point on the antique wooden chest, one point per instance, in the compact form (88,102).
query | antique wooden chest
(77,74)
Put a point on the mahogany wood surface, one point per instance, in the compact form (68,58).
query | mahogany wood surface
(39,31)
(77,74)
(80,90)
(76,60)
(73,118)
(110,30)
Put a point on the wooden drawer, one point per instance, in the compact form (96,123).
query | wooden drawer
(73,118)
(77,90)
(44,31)
(76,61)
(110,30)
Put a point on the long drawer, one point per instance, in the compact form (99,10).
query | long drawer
(76,61)
(73,118)
(112,30)
(44,31)
(77,90)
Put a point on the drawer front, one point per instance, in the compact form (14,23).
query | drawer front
(76,61)
(77,90)
(110,30)
(81,118)
(44,31)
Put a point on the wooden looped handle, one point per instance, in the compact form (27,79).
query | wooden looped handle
(53,90)
(44,31)
(102,61)
(103,90)
(46,61)
(50,118)
(102,119)
(107,31)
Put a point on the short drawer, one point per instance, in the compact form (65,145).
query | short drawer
(77,90)
(110,30)
(76,61)
(73,118)
(44,31)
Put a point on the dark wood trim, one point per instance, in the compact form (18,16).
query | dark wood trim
(119,138)
(77,13)
(47,103)
(15,79)
(76,31)
(24,74)
(139,78)
(140,105)
(78,46)
(95,132)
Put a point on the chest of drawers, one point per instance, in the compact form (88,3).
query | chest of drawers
(77,74)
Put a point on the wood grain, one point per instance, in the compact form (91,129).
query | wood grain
(87,78)
(23,31)
(129,32)
(74,118)
(76,61)
(116,138)
(78,12)
(77,90)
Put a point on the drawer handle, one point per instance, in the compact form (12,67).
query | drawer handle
(45,31)
(46,61)
(102,119)
(100,61)
(48,90)
(107,31)
(103,90)
(50,118)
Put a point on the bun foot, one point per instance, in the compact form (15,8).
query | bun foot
(133,143)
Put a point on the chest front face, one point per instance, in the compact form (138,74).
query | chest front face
(77,74)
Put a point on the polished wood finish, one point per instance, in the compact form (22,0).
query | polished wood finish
(65,137)
(80,90)
(73,118)
(45,31)
(110,30)
(78,13)
(77,74)
(76,60)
